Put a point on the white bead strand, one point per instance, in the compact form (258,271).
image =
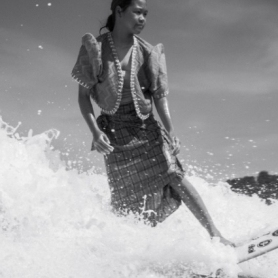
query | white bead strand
(121,79)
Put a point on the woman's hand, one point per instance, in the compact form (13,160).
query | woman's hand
(175,145)
(163,111)
(101,143)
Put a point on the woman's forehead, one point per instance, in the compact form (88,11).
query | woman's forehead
(139,4)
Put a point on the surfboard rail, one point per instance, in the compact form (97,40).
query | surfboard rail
(258,246)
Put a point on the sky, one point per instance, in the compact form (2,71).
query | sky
(222,60)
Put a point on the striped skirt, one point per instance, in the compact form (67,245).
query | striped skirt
(141,169)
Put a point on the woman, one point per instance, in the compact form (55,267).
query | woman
(125,75)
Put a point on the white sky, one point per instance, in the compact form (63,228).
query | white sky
(222,58)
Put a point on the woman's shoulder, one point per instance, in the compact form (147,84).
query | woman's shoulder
(144,45)
(102,37)
(88,36)
(149,48)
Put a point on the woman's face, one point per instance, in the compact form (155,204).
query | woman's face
(134,17)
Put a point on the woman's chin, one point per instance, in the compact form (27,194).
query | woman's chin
(137,32)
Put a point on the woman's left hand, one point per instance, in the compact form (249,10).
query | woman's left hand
(175,145)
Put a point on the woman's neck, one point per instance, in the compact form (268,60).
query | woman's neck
(122,39)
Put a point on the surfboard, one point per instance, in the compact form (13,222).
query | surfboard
(257,246)
(219,274)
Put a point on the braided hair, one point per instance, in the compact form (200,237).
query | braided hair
(110,23)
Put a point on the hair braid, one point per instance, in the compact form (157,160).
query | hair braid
(110,22)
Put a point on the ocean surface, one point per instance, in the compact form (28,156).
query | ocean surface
(56,222)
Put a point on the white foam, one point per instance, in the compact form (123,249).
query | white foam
(56,222)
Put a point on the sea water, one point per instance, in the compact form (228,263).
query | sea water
(57,223)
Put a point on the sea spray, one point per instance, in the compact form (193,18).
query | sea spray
(56,222)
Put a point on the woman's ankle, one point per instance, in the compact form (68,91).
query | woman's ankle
(215,233)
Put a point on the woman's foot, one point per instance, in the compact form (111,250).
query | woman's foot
(225,241)
(216,234)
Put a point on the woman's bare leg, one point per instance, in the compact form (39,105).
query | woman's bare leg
(193,201)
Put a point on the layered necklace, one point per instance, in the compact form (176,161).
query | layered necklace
(121,78)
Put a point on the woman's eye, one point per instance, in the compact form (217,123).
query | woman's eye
(140,12)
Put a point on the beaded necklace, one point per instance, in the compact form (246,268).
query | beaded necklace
(121,78)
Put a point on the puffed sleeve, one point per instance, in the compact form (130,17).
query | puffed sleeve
(88,64)
(158,72)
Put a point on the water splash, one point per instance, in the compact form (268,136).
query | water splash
(56,222)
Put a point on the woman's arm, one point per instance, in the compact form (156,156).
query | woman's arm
(162,108)
(101,141)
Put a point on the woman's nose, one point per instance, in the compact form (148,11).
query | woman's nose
(142,18)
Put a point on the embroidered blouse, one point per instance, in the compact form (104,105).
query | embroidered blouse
(100,71)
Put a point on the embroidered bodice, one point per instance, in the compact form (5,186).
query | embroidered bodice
(147,77)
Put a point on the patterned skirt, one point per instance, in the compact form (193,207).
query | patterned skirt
(141,169)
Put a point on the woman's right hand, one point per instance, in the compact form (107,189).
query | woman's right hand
(102,144)
(176,145)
